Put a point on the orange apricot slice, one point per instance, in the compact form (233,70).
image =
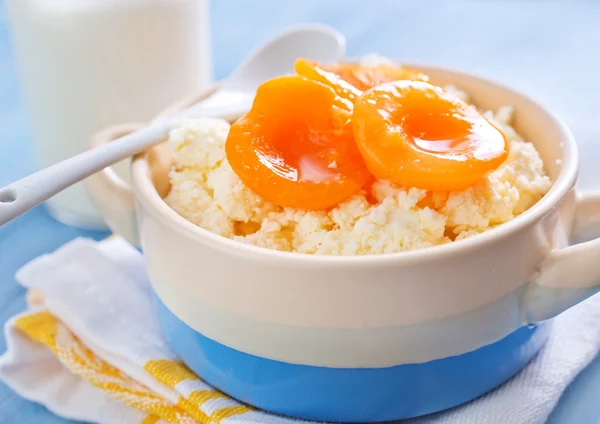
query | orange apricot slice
(346,92)
(365,77)
(295,147)
(417,135)
(350,80)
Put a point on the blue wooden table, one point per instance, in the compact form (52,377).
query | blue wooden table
(548,49)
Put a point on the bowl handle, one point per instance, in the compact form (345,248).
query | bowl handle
(112,196)
(570,275)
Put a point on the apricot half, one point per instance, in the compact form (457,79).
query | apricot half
(295,147)
(346,92)
(365,77)
(350,80)
(417,135)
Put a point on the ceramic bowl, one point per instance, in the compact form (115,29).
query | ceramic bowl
(369,338)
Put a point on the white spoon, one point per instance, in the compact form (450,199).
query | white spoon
(233,98)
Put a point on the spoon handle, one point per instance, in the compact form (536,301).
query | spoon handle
(20,196)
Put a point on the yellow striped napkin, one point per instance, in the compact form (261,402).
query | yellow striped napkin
(41,326)
(89,347)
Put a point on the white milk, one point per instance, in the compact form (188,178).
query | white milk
(87,64)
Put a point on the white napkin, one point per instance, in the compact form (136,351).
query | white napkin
(100,295)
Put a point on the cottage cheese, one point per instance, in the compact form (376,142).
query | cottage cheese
(206,191)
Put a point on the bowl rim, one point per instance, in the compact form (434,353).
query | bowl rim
(149,198)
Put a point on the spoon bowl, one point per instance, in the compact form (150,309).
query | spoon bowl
(278,57)
(236,93)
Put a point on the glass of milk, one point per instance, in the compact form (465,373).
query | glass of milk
(88,64)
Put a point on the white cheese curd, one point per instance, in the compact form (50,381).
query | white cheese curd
(207,192)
